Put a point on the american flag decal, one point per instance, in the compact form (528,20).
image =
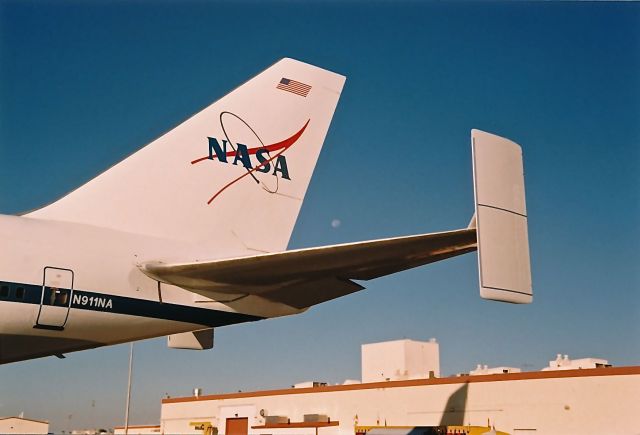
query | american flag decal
(294,87)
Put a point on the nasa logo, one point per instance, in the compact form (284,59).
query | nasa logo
(270,158)
(242,155)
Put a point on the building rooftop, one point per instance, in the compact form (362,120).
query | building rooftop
(604,371)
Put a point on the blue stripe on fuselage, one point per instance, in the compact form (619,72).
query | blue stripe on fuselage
(85,300)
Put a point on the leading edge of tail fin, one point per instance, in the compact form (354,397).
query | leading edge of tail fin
(233,174)
(501,219)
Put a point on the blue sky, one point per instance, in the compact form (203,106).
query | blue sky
(84,84)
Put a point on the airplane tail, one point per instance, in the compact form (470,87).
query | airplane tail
(282,283)
(234,174)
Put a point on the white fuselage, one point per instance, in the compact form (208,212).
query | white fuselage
(67,286)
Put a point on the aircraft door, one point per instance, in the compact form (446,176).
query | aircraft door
(57,290)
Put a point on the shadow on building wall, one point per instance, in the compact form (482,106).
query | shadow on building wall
(454,410)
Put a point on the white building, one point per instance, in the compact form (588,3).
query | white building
(585,401)
(564,363)
(486,370)
(20,425)
(400,360)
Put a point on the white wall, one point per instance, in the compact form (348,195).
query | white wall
(138,430)
(15,425)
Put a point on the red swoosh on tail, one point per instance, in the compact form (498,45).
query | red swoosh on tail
(281,146)
(273,147)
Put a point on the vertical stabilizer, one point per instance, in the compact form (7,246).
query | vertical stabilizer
(231,177)
(501,219)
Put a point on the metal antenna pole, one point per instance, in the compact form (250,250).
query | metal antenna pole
(126,415)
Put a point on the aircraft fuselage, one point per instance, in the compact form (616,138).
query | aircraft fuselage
(67,287)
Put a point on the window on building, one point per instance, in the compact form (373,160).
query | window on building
(4,291)
(20,293)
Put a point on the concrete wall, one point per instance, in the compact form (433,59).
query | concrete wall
(574,403)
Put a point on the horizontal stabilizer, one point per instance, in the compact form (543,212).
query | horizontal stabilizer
(501,219)
(305,277)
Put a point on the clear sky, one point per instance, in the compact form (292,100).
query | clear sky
(84,84)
